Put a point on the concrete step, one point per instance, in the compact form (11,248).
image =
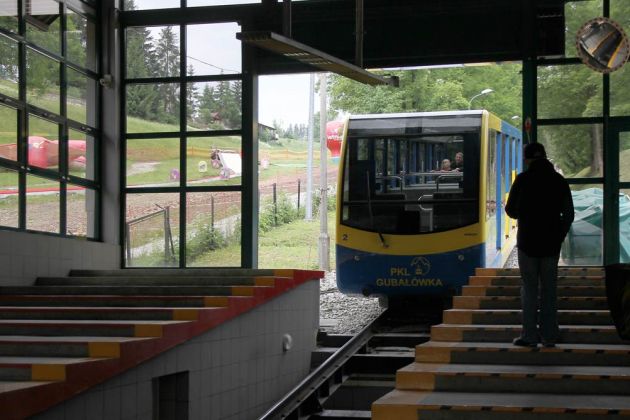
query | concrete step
(566,271)
(603,380)
(516,291)
(517,281)
(87,328)
(43,368)
(33,346)
(159,281)
(122,313)
(512,316)
(514,302)
(507,353)
(131,290)
(116,300)
(178,272)
(411,405)
(593,334)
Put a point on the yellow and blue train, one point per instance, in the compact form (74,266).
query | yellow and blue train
(407,223)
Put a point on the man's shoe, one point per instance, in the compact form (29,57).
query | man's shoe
(549,344)
(518,341)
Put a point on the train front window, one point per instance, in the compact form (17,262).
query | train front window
(412,184)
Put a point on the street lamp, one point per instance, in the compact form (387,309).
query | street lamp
(483,92)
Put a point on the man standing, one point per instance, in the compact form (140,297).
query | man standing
(540,199)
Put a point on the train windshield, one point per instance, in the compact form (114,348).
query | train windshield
(411,175)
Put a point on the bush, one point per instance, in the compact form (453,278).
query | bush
(205,238)
(269,218)
(331,202)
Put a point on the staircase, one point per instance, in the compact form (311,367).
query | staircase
(65,335)
(470,369)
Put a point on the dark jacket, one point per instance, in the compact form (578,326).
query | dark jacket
(540,199)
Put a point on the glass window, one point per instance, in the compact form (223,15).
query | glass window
(583,244)
(150,4)
(42,204)
(426,196)
(213,225)
(569,91)
(43,143)
(576,14)
(491,177)
(8,133)
(81,98)
(9,68)
(9,198)
(214,105)
(214,160)
(213,49)
(193,3)
(152,51)
(9,15)
(81,210)
(80,36)
(151,230)
(624,156)
(42,81)
(153,108)
(81,155)
(624,226)
(575,150)
(619,97)
(153,162)
(44,24)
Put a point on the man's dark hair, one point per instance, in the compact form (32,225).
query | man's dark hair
(534,151)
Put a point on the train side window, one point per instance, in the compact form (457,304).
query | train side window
(362,149)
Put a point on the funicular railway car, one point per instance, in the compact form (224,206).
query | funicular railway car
(407,223)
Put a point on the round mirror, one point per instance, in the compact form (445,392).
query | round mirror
(602,45)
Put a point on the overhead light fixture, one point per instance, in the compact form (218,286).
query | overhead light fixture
(303,53)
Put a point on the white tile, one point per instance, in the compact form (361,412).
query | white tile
(129,403)
(144,397)
(112,404)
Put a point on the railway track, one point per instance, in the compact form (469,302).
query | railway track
(349,372)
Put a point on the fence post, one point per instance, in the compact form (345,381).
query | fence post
(212,212)
(275,206)
(298,204)
(128,243)
(166,241)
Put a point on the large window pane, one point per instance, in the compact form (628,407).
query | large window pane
(81,210)
(81,39)
(152,230)
(9,15)
(583,244)
(81,155)
(42,204)
(193,3)
(624,156)
(9,203)
(8,133)
(43,143)
(576,14)
(150,4)
(81,98)
(624,226)
(153,162)
(213,48)
(569,91)
(214,160)
(620,79)
(42,81)
(213,225)
(43,24)
(153,108)
(152,51)
(214,105)
(9,69)
(575,150)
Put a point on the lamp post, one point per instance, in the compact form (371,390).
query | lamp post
(483,92)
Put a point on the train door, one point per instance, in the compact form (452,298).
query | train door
(500,148)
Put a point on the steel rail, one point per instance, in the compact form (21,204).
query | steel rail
(303,399)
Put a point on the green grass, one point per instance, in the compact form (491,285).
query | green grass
(293,245)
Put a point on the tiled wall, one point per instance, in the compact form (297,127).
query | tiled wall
(25,256)
(237,370)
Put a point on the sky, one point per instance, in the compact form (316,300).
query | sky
(213,49)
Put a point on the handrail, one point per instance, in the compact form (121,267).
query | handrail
(449,175)
(311,383)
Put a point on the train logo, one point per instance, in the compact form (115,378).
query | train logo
(421,265)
